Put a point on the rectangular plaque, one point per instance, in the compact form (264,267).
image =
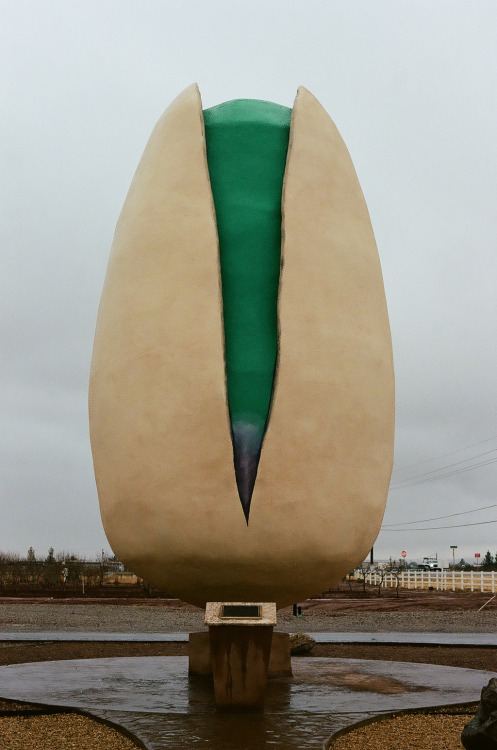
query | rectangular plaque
(240,613)
(240,610)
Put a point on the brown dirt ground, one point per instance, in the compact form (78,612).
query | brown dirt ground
(353,598)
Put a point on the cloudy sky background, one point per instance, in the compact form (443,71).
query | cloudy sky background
(412,86)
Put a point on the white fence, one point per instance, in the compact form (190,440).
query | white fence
(443,580)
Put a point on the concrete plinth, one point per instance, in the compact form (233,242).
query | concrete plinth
(240,661)
(200,663)
(240,637)
(199,654)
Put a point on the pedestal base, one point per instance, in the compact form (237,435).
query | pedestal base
(240,661)
(239,648)
(199,655)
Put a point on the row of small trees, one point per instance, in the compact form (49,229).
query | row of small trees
(361,573)
(59,569)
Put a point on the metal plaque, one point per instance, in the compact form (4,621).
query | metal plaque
(241,610)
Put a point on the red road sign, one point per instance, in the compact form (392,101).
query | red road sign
(404,553)
(477,554)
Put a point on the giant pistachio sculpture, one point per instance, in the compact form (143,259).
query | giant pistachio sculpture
(177,434)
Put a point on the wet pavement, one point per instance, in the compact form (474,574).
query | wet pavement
(434,639)
(154,698)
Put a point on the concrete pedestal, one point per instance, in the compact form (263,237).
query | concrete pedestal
(239,645)
(200,662)
(240,661)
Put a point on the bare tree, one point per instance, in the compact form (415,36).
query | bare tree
(362,572)
(396,571)
(381,572)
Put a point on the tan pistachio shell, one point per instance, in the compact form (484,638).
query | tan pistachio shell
(158,416)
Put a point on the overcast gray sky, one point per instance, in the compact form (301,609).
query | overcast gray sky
(412,86)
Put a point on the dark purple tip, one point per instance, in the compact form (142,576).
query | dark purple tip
(247,442)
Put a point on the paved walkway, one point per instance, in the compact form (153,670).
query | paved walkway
(487,640)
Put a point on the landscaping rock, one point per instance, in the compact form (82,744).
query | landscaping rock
(301,643)
(481,732)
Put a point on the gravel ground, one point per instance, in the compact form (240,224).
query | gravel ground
(59,732)
(111,618)
(440,730)
(146,617)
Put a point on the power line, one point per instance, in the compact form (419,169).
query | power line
(456,526)
(438,518)
(443,476)
(449,466)
(450,453)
